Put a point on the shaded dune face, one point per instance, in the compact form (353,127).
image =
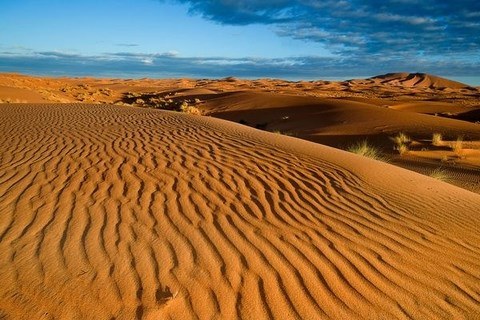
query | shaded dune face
(111,212)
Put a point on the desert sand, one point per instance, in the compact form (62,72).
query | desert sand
(112,208)
(338,114)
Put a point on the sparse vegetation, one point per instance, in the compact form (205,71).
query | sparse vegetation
(402,149)
(457,146)
(437,139)
(440,174)
(401,138)
(186,108)
(364,149)
(401,143)
(163,101)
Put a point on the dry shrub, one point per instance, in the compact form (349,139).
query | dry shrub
(401,143)
(457,146)
(402,149)
(437,139)
(366,150)
(186,108)
(401,138)
(440,174)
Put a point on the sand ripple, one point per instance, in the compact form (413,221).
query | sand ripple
(110,212)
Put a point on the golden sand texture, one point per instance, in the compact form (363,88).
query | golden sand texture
(104,207)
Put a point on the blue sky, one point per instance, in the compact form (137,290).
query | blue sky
(304,39)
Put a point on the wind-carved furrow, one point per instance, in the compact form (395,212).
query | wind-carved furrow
(288,196)
(294,283)
(74,243)
(274,280)
(288,204)
(117,223)
(100,234)
(381,286)
(162,215)
(368,221)
(151,211)
(265,304)
(362,283)
(186,251)
(28,156)
(322,270)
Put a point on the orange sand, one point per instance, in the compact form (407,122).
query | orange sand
(103,207)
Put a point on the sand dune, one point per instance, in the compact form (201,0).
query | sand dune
(123,212)
(312,116)
(419,80)
(343,121)
(387,89)
(335,113)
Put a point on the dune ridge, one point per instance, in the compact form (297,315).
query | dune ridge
(419,80)
(122,212)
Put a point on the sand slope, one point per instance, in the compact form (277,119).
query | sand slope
(419,80)
(104,207)
(342,122)
(338,114)
(314,118)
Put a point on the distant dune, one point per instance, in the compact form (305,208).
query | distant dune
(120,212)
(334,113)
(313,116)
(419,80)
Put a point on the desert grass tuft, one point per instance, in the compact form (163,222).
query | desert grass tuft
(401,138)
(457,147)
(401,141)
(402,149)
(437,139)
(364,149)
(186,108)
(440,174)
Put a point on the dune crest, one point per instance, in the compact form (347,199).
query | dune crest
(123,212)
(419,80)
